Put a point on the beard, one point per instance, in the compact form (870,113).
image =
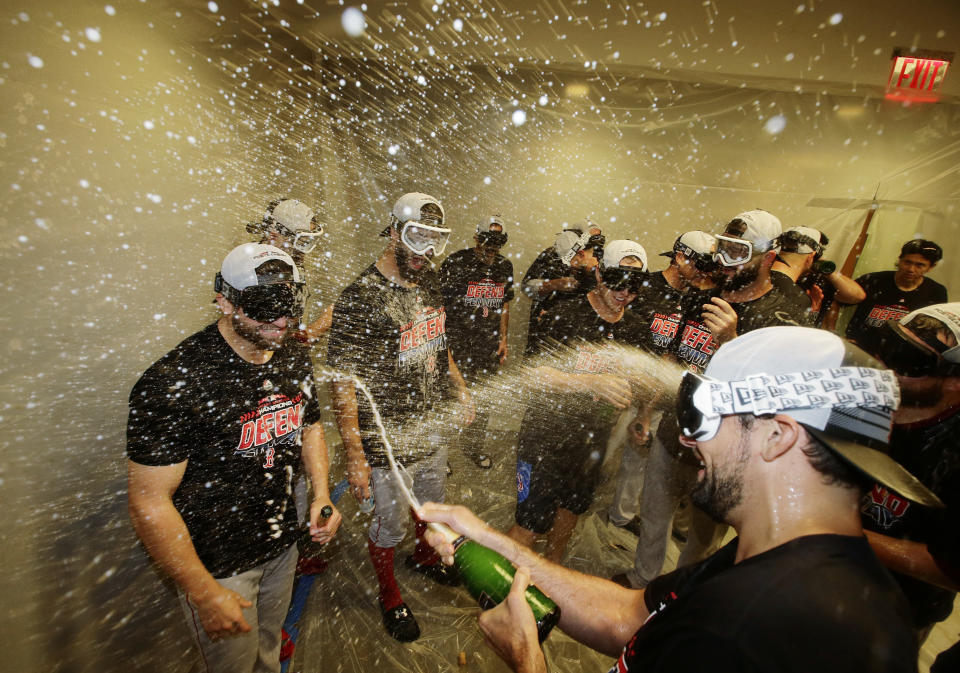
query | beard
(253,335)
(402,257)
(720,491)
(741,278)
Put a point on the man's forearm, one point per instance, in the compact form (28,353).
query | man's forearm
(163,532)
(848,290)
(913,559)
(504,322)
(594,611)
(316,460)
(345,412)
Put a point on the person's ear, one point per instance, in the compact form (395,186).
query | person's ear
(779,436)
(224,304)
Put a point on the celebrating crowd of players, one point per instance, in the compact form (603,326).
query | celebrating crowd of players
(223,428)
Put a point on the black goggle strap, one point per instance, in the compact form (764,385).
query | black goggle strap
(795,239)
(492,237)
(817,389)
(579,245)
(701,260)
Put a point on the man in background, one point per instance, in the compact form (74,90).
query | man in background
(389,331)
(477,287)
(890,295)
(922,545)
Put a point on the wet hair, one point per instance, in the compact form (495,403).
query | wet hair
(832,468)
(929,250)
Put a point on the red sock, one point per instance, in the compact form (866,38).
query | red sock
(382,558)
(423,553)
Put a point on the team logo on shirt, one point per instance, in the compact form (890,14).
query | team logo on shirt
(664,328)
(593,362)
(696,345)
(485,293)
(884,507)
(276,420)
(879,314)
(423,337)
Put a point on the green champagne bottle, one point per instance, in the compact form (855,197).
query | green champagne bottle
(488,577)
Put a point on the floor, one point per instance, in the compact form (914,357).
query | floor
(341,628)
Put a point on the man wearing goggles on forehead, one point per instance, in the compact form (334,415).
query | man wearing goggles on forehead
(745,252)
(558,472)
(687,323)
(563,269)
(477,286)
(800,272)
(217,431)
(890,295)
(390,330)
(293,227)
(789,422)
(922,546)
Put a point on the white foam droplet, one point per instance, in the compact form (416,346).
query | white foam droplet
(519,117)
(110,10)
(92,34)
(212,6)
(35,61)
(353,21)
(148,125)
(458,25)
(836,18)
(775,124)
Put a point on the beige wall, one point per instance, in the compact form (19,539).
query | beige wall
(112,231)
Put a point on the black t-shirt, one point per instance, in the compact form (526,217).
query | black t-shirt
(885,301)
(789,287)
(549,266)
(238,426)
(928,450)
(658,306)
(474,295)
(817,603)
(394,339)
(772,309)
(575,324)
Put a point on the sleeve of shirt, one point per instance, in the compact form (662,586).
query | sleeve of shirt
(940,297)
(312,411)
(447,281)
(350,330)
(666,588)
(159,424)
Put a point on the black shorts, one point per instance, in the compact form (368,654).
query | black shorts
(558,465)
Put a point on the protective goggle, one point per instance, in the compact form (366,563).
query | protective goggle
(301,241)
(421,238)
(733,251)
(908,358)
(701,261)
(496,239)
(623,278)
(703,402)
(267,303)
(792,241)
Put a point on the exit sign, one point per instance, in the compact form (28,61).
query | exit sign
(917,75)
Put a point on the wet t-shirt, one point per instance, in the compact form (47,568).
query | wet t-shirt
(394,339)
(549,266)
(474,297)
(817,603)
(772,309)
(885,301)
(929,451)
(238,426)
(658,306)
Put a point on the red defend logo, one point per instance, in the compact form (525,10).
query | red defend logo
(917,76)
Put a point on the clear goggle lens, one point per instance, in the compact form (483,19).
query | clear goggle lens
(733,251)
(421,238)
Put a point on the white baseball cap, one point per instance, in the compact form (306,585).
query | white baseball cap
(239,268)
(759,227)
(410,207)
(292,214)
(802,240)
(486,225)
(615,251)
(806,372)
(699,242)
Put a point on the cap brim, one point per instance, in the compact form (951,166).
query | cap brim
(386,230)
(880,467)
(669,253)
